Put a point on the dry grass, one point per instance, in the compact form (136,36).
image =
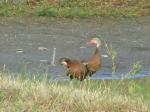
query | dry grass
(33,95)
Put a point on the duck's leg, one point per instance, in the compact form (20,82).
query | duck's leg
(71,77)
(90,75)
(86,71)
(82,78)
(88,78)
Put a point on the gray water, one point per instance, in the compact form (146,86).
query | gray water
(129,37)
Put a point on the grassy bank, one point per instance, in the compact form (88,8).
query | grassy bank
(75,8)
(38,95)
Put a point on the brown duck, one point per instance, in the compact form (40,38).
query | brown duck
(94,63)
(75,69)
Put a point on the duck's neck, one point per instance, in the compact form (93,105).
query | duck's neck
(97,45)
(96,50)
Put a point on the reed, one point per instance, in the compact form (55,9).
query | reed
(112,54)
(53,57)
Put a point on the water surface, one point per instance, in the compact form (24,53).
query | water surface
(27,44)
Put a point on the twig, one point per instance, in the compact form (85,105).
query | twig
(53,57)
(4,67)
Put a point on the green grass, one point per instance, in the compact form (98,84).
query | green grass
(32,94)
(7,9)
(76,8)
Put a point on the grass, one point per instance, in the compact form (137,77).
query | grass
(27,94)
(75,8)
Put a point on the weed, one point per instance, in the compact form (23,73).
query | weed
(112,54)
(77,8)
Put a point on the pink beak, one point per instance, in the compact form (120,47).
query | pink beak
(90,42)
(64,63)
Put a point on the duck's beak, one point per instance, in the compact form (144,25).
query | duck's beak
(64,63)
(91,42)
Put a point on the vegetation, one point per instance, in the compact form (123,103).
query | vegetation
(112,54)
(24,93)
(34,94)
(75,8)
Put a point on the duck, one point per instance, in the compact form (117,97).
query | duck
(93,63)
(75,69)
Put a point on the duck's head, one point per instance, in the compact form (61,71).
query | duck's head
(96,41)
(64,61)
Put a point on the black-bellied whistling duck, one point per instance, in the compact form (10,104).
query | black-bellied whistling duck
(94,63)
(75,69)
